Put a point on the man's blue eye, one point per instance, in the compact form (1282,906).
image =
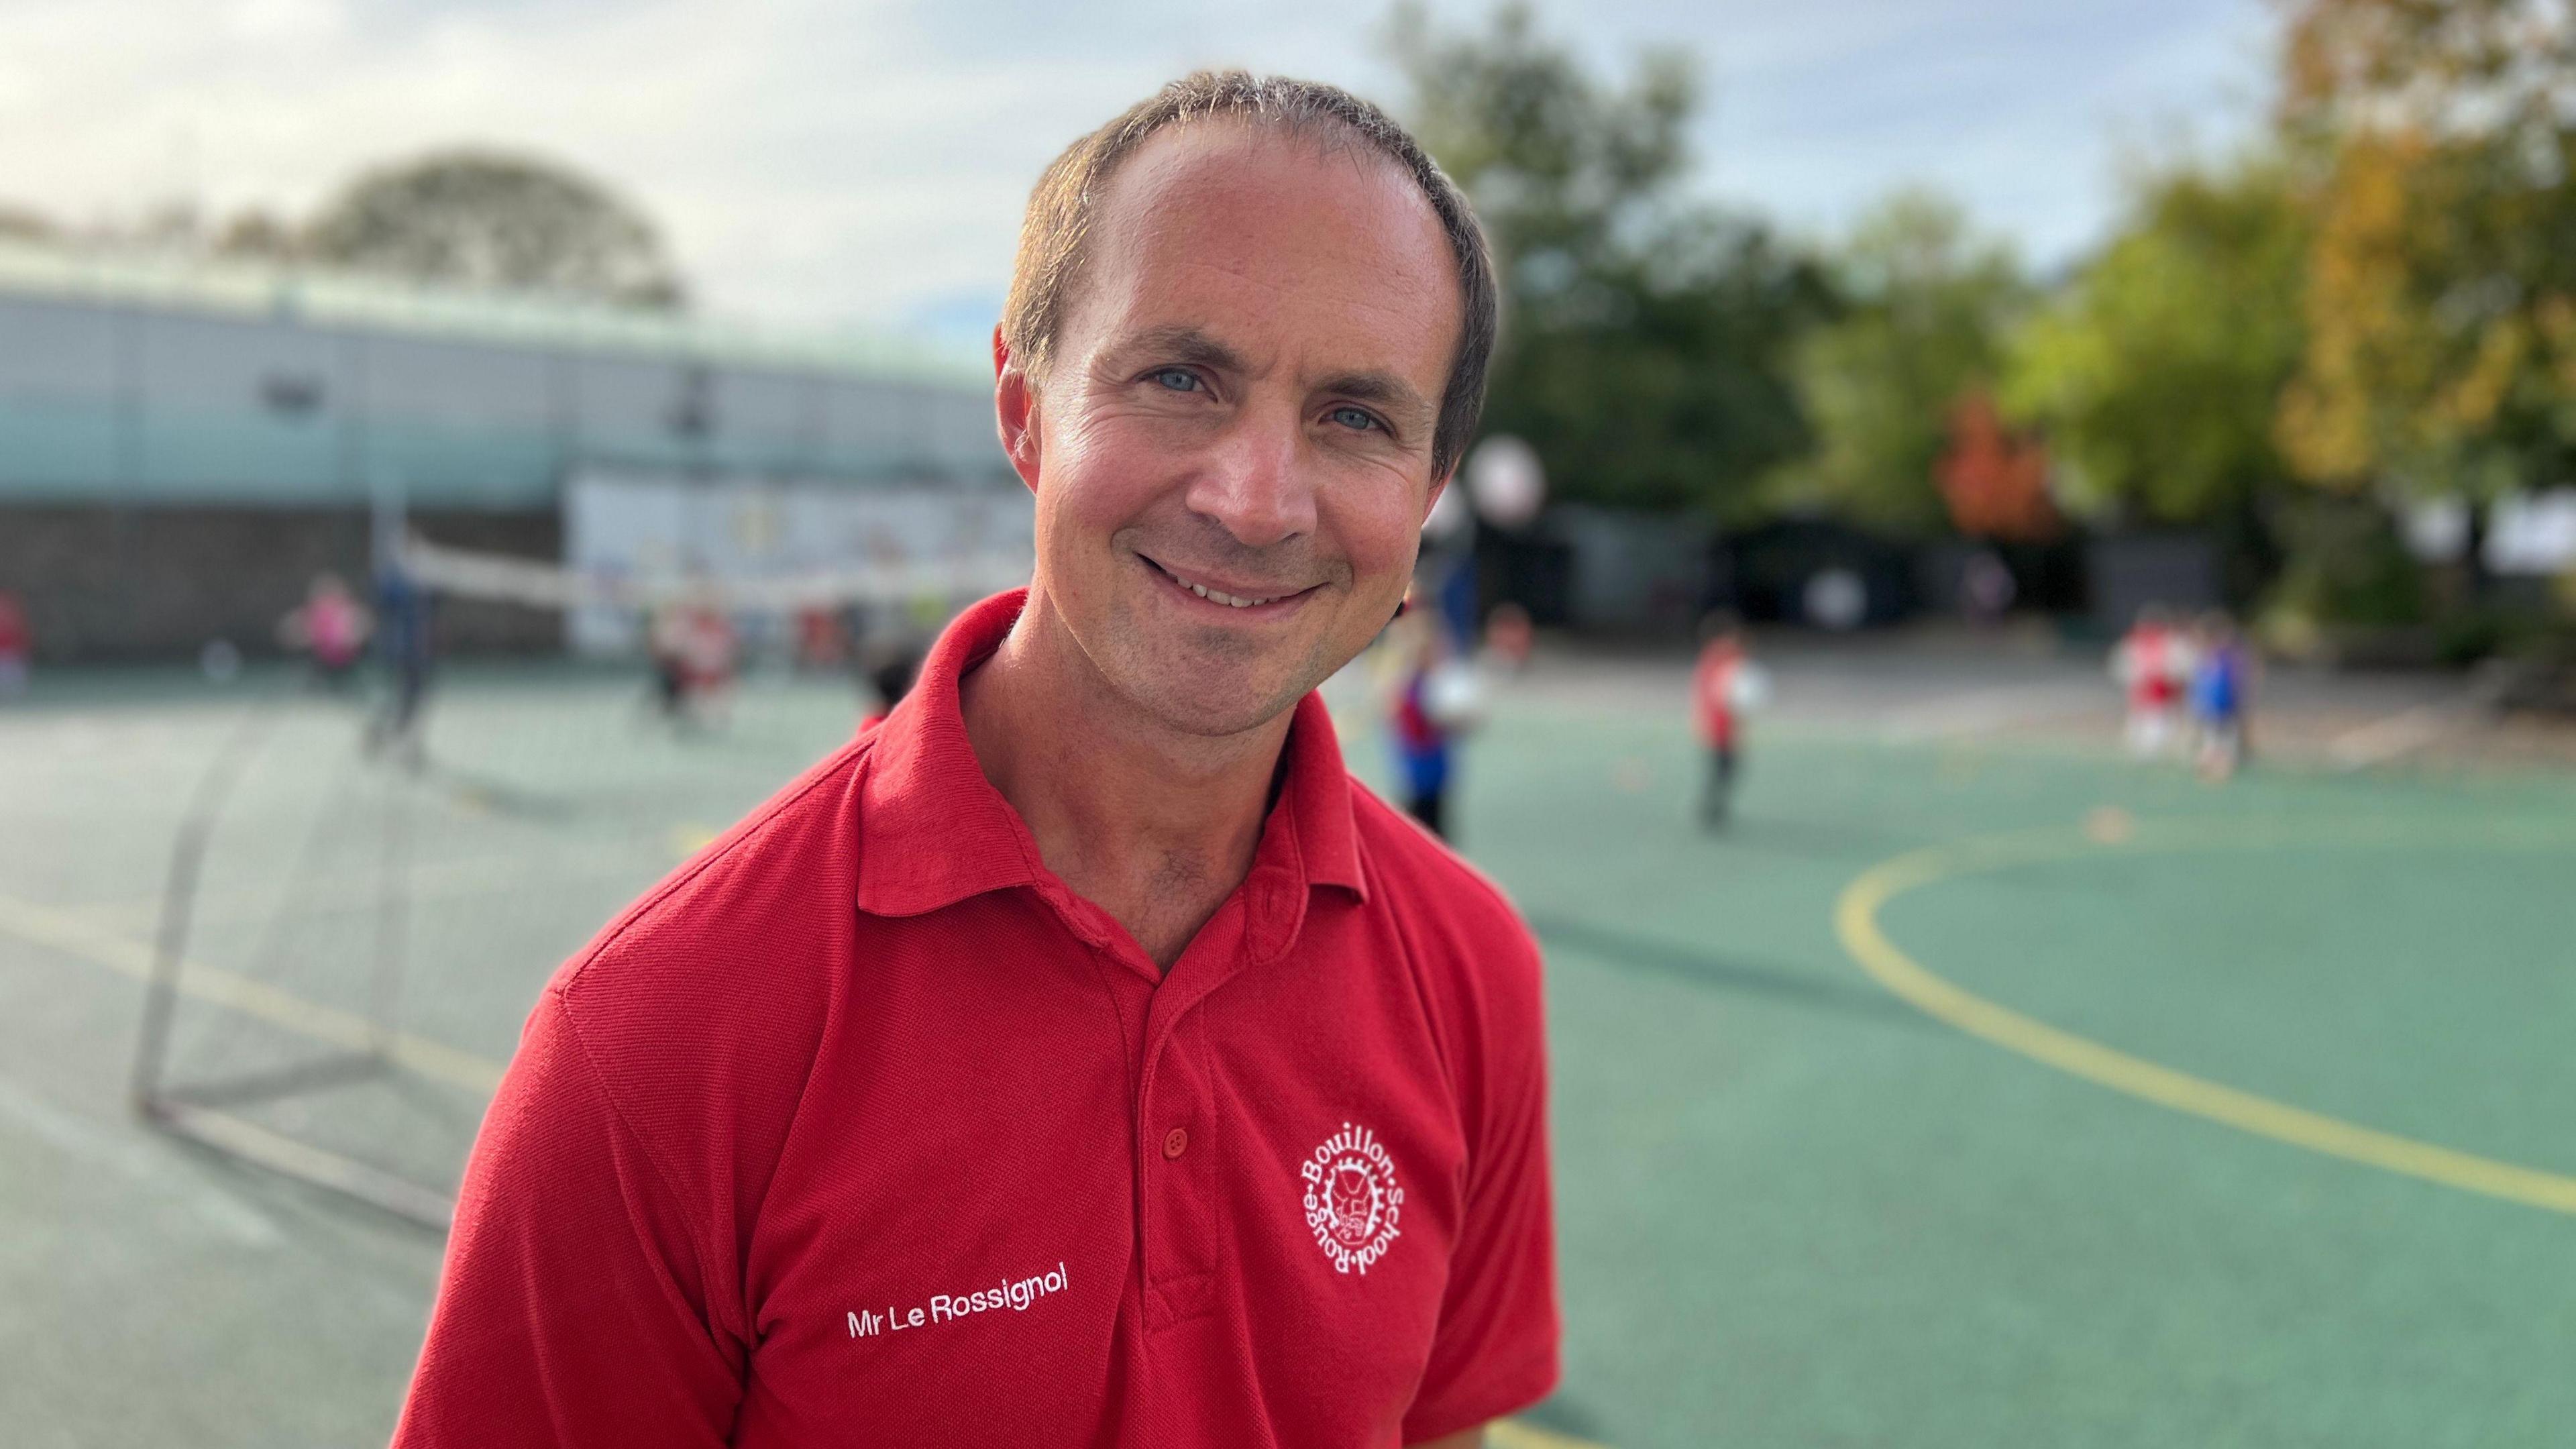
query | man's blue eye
(1353,418)
(1178,379)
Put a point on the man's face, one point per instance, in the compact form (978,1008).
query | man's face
(1232,446)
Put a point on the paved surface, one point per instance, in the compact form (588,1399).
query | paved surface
(1794,1209)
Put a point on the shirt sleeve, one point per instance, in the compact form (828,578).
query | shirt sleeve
(572,1310)
(1496,1347)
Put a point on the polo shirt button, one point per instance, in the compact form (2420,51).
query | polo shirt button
(1175,1142)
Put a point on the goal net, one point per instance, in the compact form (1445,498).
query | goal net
(357,919)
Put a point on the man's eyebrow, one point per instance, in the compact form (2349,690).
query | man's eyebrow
(1182,344)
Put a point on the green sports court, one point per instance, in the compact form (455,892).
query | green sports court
(1978,1086)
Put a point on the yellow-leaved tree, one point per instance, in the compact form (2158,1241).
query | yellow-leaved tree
(2440,303)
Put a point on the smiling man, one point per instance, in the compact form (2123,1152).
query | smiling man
(1080,1057)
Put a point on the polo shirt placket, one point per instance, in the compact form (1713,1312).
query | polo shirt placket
(1183,1137)
(1178,1138)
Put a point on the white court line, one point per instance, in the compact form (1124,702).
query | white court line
(2385,739)
(81,1141)
(1985,710)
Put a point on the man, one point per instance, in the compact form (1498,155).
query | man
(404,606)
(1079,1057)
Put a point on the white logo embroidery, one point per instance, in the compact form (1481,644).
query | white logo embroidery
(1352,1201)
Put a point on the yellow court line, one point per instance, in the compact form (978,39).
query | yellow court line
(1856,924)
(87,941)
(83,941)
(451,880)
(1513,1434)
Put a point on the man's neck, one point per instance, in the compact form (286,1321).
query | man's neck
(1154,825)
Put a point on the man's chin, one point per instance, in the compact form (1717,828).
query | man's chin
(1209,698)
(1217,713)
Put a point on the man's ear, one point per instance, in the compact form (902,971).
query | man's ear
(1015,410)
(1431,499)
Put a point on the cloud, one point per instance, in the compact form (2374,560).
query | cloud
(816,162)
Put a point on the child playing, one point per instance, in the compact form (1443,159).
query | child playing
(1725,685)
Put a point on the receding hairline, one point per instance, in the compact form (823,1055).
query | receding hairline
(1325,138)
(1113,203)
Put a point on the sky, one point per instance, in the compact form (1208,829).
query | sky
(825,163)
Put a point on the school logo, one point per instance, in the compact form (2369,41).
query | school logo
(1352,1201)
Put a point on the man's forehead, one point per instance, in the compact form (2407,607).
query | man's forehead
(1262,239)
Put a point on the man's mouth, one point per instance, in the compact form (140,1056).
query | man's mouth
(1216,595)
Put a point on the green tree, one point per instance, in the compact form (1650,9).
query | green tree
(1925,303)
(1645,336)
(22,223)
(492,220)
(259,235)
(2156,372)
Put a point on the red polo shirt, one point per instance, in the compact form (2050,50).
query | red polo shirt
(862,1128)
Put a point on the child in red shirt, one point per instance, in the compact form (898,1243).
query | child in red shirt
(1725,684)
(2152,663)
(17,646)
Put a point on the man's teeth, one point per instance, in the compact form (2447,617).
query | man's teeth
(1216,596)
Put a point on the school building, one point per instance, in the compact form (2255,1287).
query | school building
(184,445)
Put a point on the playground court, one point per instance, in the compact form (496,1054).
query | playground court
(1978,1087)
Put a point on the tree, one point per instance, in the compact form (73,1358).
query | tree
(491,220)
(2156,372)
(1564,171)
(1646,337)
(2441,281)
(1994,480)
(258,235)
(19,223)
(1925,303)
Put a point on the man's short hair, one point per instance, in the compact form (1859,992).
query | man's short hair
(1064,208)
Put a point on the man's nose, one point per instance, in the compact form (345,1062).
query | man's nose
(1256,483)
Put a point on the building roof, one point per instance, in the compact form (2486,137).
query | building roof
(358,301)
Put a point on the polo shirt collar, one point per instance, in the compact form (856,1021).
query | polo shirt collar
(935,831)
